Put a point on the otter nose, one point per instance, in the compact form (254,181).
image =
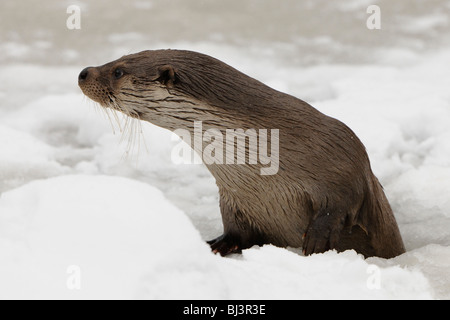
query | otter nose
(83,74)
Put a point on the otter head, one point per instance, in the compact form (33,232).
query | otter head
(134,84)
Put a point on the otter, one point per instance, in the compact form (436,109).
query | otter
(324,195)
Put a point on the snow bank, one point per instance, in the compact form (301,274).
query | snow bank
(123,239)
(114,229)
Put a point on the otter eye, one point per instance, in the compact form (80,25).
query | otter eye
(118,73)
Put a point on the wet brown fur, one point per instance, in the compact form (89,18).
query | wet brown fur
(324,195)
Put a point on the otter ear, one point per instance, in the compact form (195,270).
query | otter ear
(167,75)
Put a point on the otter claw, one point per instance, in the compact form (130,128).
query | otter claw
(224,245)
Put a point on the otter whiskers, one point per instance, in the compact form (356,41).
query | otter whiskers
(129,127)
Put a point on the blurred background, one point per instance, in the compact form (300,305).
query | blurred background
(289,31)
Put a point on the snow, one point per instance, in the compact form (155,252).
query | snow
(92,207)
(128,241)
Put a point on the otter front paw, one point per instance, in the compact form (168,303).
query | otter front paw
(225,245)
